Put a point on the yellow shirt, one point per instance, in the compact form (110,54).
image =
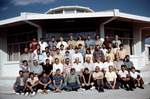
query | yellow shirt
(60,57)
(80,42)
(110,76)
(122,53)
(111,55)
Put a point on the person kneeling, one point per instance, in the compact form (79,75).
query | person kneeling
(57,81)
(87,80)
(72,81)
(98,79)
(136,78)
(44,82)
(31,85)
(19,85)
(111,79)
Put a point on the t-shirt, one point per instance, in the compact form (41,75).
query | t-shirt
(122,53)
(81,51)
(43,45)
(77,67)
(57,79)
(36,70)
(110,76)
(100,65)
(118,64)
(135,75)
(57,66)
(87,76)
(128,64)
(32,82)
(123,74)
(45,81)
(47,69)
(97,74)
(89,66)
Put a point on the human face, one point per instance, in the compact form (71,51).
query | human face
(53,39)
(47,62)
(110,68)
(25,63)
(108,59)
(57,52)
(107,37)
(80,37)
(35,63)
(38,52)
(77,60)
(128,58)
(86,71)
(38,47)
(88,59)
(67,61)
(116,45)
(103,46)
(116,37)
(54,48)
(44,75)
(61,39)
(30,50)
(98,60)
(122,68)
(109,50)
(72,72)
(42,40)
(71,38)
(32,76)
(48,54)
(89,37)
(62,47)
(97,47)
(67,54)
(57,61)
(121,47)
(97,69)
(26,50)
(70,47)
(97,37)
(133,70)
(34,40)
(47,50)
(76,50)
(21,74)
(58,72)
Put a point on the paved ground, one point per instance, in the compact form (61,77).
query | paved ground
(108,94)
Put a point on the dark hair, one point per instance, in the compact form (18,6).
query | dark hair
(120,45)
(67,52)
(31,73)
(47,59)
(108,48)
(88,50)
(88,35)
(37,45)
(97,36)
(70,36)
(96,47)
(48,52)
(21,71)
(42,39)
(123,66)
(127,56)
(72,69)
(57,69)
(76,48)
(61,45)
(46,47)
(38,50)
(52,37)
(56,59)
(57,49)
(79,44)
(24,61)
(86,69)
(80,36)
(133,68)
(67,58)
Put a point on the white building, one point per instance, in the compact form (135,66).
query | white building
(17,32)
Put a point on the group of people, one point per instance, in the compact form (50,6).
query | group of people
(90,64)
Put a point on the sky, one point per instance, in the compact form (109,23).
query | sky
(13,8)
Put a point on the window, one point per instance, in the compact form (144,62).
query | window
(18,38)
(68,11)
(80,11)
(59,12)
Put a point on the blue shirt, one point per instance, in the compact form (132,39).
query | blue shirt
(57,79)
(36,70)
(81,51)
(88,43)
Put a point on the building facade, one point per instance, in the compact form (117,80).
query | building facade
(17,32)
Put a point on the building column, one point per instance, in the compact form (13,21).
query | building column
(3,50)
(102,32)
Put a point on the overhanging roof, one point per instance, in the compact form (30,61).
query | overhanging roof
(110,13)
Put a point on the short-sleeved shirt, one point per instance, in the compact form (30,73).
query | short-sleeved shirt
(118,64)
(100,65)
(110,76)
(135,75)
(57,66)
(36,70)
(45,81)
(47,69)
(128,64)
(51,44)
(60,57)
(32,82)
(57,79)
(106,65)
(123,74)
(87,76)
(89,66)
(97,74)
(73,42)
(122,53)
(81,51)
(98,55)
(88,43)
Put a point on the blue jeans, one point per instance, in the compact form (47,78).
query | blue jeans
(53,87)
(71,86)
(20,89)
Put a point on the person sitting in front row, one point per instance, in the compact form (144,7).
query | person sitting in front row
(31,84)
(19,85)
(98,79)
(136,78)
(72,81)
(124,78)
(44,82)
(57,81)
(88,82)
(111,79)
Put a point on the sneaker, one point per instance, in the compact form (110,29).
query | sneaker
(33,94)
(26,94)
(17,93)
(22,93)
(92,88)
(130,89)
(141,87)
(83,89)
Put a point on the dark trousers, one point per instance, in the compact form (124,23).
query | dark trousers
(99,83)
(72,86)
(20,89)
(125,83)
(86,87)
(134,81)
(42,87)
(112,82)
(34,88)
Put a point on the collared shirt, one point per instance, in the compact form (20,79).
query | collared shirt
(89,66)
(66,68)
(57,66)
(128,64)
(123,74)
(106,65)
(118,64)
(79,55)
(80,42)
(122,53)
(100,65)
(72,79)
(98,42)
(43,45)
(57,79)
(81,51)
(91,57)
(60,57)
(88,43)
(116,41)
(62,52)
(104,51)
(135,75)
(50,59)
(77,67)
(111,55)
(51,44)
(39,58)
(32,82)
(73,42)
(36,70)
(35,51)
(98,54)
(45,81)
(110,76)
(63,43)
(21,81)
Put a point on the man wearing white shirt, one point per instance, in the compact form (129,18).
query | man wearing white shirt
(107,64)
(78,66)
(62,50)
(136,78)
(46,50)
(77,54)
(88,64)
(48,56)
(62,43)
(103,49)
(39,57)
(99,64)
(124,78)
(43,44)
(57,65)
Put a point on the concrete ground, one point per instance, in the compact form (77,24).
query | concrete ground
(108,94)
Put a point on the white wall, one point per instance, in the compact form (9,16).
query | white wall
(147,47)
